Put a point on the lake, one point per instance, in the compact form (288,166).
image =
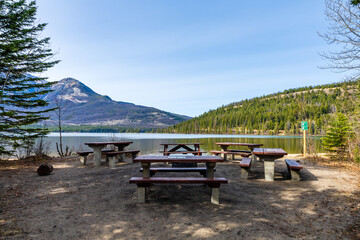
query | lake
(149,143)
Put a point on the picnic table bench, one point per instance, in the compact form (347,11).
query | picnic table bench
(294,168)
(201,170)
(245,165)
(84,154)
(225,145)
(232,153)
(143,182)
(113,156)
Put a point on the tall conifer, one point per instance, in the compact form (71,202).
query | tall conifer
(22,52)
(337,136)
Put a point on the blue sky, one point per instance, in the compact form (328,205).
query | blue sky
(187,56)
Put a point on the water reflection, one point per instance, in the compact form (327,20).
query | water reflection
(149,143)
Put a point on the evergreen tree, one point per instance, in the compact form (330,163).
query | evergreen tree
(22,52)
(337,135)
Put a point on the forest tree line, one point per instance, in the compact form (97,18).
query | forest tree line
(274,114)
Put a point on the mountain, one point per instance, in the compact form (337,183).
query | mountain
(278,113)
(82,106)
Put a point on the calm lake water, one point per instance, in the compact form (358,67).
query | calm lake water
(149,143)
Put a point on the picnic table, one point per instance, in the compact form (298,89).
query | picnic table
(97,146)
(187,148)
(224,146)
(210,180)
(269,155)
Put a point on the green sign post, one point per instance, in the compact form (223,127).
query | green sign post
(304,127)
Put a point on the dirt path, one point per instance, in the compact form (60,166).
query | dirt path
(77,202)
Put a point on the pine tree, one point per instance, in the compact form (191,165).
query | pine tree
(22,52)
(337,135)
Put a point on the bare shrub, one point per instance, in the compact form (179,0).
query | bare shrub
(113,137)
(68,151)
(41,148)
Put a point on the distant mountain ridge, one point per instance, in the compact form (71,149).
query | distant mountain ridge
(83,106)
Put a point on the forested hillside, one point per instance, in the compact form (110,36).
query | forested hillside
(279,113)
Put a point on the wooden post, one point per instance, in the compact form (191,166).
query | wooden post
(304,143)
(304,127)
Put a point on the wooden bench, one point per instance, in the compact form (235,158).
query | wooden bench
(113,156)
(213,183)
(83,155)
(294,168)
(245,165)
(233,153)
(201,170)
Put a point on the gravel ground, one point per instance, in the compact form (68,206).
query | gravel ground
(87,202)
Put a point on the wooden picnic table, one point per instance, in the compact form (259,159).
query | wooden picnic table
(269,155)
(210,180)
(224,146)
(182,148)
(97,146)
(186,146)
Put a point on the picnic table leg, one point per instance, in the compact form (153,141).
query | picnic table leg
(141,194)
(210,169)
(215,195)
(253,156)
(166,150)
(120,147)
(142,190)
(146,169)
(197,149)
(269,169)
(97,155)
(83,160)
(112,161)
(253,160)
(224,149)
